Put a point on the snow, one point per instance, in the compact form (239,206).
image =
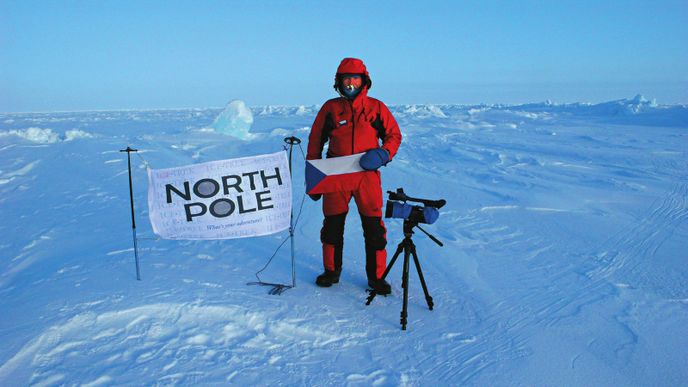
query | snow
(235,120)
(564,260)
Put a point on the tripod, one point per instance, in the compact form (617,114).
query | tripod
(409,249)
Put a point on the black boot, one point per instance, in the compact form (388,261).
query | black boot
(380,286)
(327,278)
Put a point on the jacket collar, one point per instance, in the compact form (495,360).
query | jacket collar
(358,103)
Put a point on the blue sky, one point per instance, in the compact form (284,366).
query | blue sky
(83,55)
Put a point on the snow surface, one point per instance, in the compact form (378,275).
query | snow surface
(564,261)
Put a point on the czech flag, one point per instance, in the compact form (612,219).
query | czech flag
(334,174)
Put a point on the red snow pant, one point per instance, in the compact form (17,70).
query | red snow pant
(368,199)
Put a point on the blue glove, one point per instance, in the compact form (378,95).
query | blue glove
(374,159)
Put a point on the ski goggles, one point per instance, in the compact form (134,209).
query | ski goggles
(352,81)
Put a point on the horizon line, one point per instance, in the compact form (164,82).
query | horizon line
(545,102)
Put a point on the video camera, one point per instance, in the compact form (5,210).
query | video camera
(398,208)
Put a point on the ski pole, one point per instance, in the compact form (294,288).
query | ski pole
(133,220)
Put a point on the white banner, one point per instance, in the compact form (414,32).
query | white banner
(235,198)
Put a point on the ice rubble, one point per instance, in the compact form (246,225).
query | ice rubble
(33,134)
(46,135)
(235,120)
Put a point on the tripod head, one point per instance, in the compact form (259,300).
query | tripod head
(408,231)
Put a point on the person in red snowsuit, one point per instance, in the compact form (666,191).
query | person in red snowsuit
(355,123)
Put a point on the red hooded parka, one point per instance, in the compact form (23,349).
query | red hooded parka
(354,126)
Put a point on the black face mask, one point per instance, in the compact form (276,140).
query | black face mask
(349,92)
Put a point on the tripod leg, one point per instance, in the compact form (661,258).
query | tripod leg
(428,299)
(405,285)
(389,267)
(400,248)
